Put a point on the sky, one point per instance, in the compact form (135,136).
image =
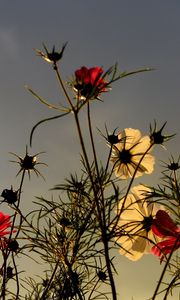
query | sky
(135,34)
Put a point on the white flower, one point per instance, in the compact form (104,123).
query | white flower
(133,230)
(127,154)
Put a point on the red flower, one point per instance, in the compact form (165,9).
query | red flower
(89,83)
(4,224)
(164,227)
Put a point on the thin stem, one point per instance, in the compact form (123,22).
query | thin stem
(63,87)
(3,292)
(102,222)
(49,282)
(133,177)
(170,286)
(18,203)
(177,187)
(7,252)
(164,269)
(107,164)
(108,264)
(83,147)
(92,142)
(102,219)
(76,120)
(17,278)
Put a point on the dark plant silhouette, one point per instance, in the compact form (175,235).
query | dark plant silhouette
(74,233)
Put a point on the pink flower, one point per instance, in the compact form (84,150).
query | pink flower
(164,227)
(4,224)
(89,83)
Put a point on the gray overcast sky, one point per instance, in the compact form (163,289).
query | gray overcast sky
(134,33)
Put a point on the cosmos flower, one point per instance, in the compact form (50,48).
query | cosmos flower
(129,154)
(4,224)
(89,83)
(133,231)
(164,227)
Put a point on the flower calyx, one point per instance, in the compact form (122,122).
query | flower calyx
(113,139)
(101,275)
(173,165)
(53,56)
(156,136)
(28,163)
(9,195)
(12,245)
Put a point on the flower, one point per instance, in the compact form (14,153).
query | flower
(89,83)
(28,163)
(163,226)
(9,196)
(101,275)
(53,56)
(135,217)
(4,224)
(157,137)
(130,155)
(12,245)
(173,165)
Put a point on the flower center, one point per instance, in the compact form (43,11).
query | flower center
(125,156)
(84,89)
(147,223)
(28,162)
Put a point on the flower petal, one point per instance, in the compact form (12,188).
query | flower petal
(143,145)
(165,247)
(133,232)
(4,224)
(164,226)
(129,155)
(94,74)
(82,75)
